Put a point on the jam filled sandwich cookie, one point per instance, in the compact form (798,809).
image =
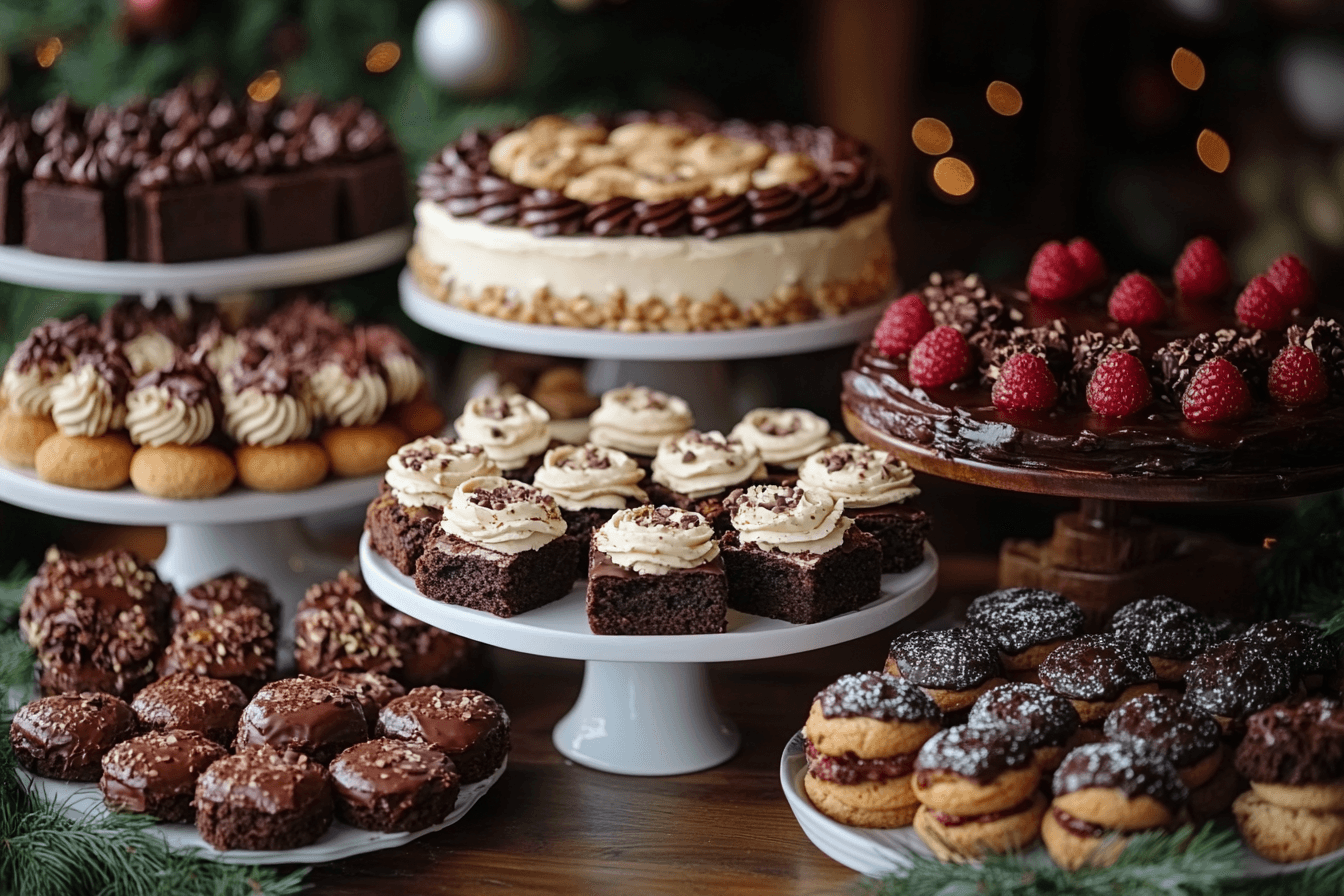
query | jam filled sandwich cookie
(863,734)
(1189,737)
(1044,719)
(1234,679)
(978,792)
(954,666)
(1098,673)
(1025,624)
(1168,631)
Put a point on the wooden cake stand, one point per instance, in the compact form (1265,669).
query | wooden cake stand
(1102,556)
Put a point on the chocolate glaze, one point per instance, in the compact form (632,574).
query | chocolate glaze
(1045,719)
(1236,678)
(981,754)
(191,702)
(850,769)
(1095,667)
(1306,648)
(67,735)
(1018,618)
(372,690)
(154,768)
(1162,627)
(390,776)
(444,718)
(266,780)
(1297,745)
(1182,732)
(875,695)
(237,645)
(308,715)
(955,659)
(226,592)
(1132,771)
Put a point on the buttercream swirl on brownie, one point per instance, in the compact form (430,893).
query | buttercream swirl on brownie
(1162,627)
(91,398)
(1095,667)
(264,405)
(785,437)
(581,476)
(502,515)
(788,519)
(426,472)
(1181,731)
(636,419)
(510,428)
(349,386)
(1132,771)
(699,464)
(174,405)
(1045,719)
(657,540)
(876,695)
(858,475)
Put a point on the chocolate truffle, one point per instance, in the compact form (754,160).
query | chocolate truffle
(468,726)
(373,690)
(1097,673)
(1025,624)
(66,736)
(1188,736)
(1234,679)
(237,646)
(156,773)
(954,666)
(388,785)
(307,715)
(261,798)
(226,592)
(189,702)
(1170,632)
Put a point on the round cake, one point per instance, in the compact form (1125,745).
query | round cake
(653,223)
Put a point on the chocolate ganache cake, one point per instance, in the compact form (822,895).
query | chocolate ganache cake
(653,223)
(1206,390)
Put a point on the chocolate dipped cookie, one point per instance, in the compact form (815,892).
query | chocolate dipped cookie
(954,666)
(156,774)
(1046,720)
(1169,632)
(1098,673)
(1025,624)
(305,715)
(1234,679)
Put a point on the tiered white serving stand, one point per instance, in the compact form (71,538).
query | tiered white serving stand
(255,532)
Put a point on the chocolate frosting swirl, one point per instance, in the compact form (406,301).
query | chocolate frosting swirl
(615,217)
(665,219)
(718,216)
(780,207)
(550,213)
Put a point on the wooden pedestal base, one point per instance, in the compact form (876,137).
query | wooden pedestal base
(1102,559)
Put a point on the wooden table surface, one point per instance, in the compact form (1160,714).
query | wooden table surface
(551,826)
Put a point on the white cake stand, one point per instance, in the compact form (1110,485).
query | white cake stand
(646,707)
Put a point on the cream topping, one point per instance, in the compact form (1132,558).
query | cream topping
(404,377)
(858,475)
(512,429)
(223,354)
(636,419)
(83,404)
(700,464)
(657,540)
(349,400)
(149,351)
(155,417)
(579,476)
(502,515)
(266,419)
(785,437)
(427,471)
(789,519)
(29,391)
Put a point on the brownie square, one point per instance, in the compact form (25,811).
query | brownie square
(580,525)
(456,571)
(292,210)
(711,508)
(74,221)
(400,533)
(803,588)
(682,602)
(196,222)
(372,195)
(899,529)
(11,207)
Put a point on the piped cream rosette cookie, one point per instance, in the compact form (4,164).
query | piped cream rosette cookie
(420,480)
(90,448)
(785,437)
(1026,624)
(636,420)
(1097,673)
(876,489)
(351,394)
(697,470)
(863,735)
(954,666)
(978,792)
(266,414)
(1045,720)
(1105,793)
(408,400)
(37,365)
(170,414)
(589,483)
(513,429)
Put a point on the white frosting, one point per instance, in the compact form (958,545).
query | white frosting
(746,268)
(404,377)
(784,437)
(858,475)
(155,417)
(149,351)
(512,429)
(526,522)
(224,354)
(657,540)
(29,391)
(82,404)
(266,419)
(790,520)
(698,464)
(580,476)
(427,471)
(349,400)
(637,419)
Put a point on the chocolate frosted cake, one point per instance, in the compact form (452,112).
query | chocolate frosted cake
(653,222)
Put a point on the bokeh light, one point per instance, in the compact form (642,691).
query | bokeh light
(931,136)
(382,57)
(48,51)
(265,86)
(1003,98)
(953,176)
(1187,68)
(1213,151)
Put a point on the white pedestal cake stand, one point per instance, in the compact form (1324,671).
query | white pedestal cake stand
(646,707)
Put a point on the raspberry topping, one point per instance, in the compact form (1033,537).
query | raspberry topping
(1091,267)
(941,357)
(1025,383)
(1120,386)
(902,326)
(1261,306)
(1218,393)
(1297,377)
(1136,301)
(1291,278)
(1201,271)
(1053,275)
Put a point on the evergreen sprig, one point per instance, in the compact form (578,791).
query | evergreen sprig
(1305,569)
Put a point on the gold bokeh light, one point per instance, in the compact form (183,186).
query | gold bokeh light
(1213,151)
(1003,98)
(1187,68)
(265,86)
(931,136)
(382,57)
(953,176)
(49,51)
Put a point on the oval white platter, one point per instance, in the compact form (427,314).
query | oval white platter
(203,279)
(560,629)
(578,342)
(78,801)
(877,852)
(126,505)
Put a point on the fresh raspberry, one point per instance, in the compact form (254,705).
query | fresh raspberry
(1136,301)
(1025,383)
(1120,386)
(940,358)
(1201,271)
(1088,261)
(1217,393)
(1291,278)
(1053,274)
(902,326)
(1261,306)
(1297,377)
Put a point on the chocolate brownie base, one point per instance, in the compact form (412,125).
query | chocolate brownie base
(580,526)
(290,211)
(372,195)
(197,222)
(399,533)
(11,207)
(74,221)
(899,530)
(803,588)
(682,602)
(236,827)
(457,572)
(480,760)
(424,810)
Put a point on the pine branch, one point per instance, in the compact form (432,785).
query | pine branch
(1305,570)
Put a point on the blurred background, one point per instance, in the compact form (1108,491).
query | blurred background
(1104,144)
